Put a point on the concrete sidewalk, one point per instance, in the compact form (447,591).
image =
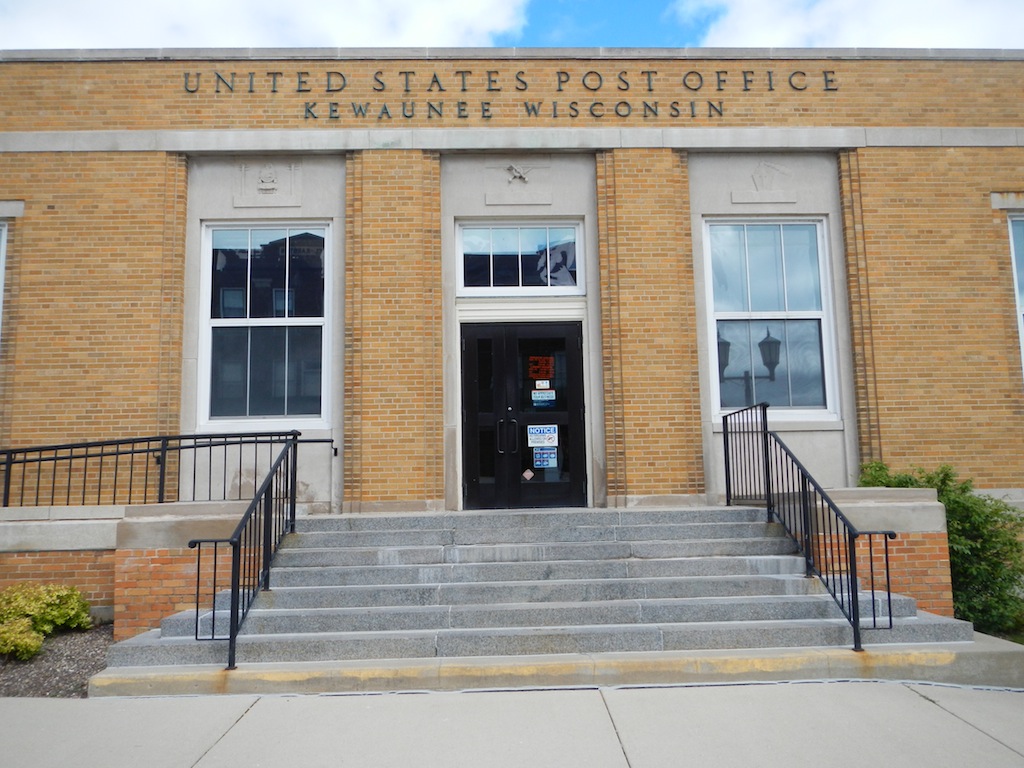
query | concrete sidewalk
(761,724)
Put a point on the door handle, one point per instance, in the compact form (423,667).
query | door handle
(515,432)
(499,436)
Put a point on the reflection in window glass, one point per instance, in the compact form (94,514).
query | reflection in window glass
(267,317)
(1017,248)
(766,286)
(517,258)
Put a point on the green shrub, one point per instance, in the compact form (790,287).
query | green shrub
(18,639)
(986,554)
(30,612)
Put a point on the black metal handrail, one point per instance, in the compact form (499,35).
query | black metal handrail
(213,467)
(760,468)
(253,545)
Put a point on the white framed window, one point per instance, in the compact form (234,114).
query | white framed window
(1017,255)
(521,259)
(772,334)
(263,349)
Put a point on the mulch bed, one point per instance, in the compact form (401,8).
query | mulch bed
(62,669)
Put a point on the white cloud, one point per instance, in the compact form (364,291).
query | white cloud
(859,23)
(55,24)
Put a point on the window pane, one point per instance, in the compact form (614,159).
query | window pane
(305,367)
(746,349)
(728,268)
(1018,255)
(505,243)
(476,249)
(305,275)
(563,256)
(230,264)
(268,282)
(803,282)
(805,367)
(268,372)
(764,263)
(228,366)
(535,256)
(734,364)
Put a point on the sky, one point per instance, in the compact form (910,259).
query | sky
(94,24)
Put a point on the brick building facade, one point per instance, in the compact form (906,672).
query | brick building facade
(518,278)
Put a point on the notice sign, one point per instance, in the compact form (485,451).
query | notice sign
(545,458)
(542,435)
(543,398)
(541,367)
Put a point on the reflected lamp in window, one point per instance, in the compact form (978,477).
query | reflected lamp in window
(769,319)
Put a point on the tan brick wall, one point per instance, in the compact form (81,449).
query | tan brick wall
(393,360)
(652,408)
(98,95)
(934,317)
(92,328)
(91,571)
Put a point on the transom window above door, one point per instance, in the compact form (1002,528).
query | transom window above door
(520,259)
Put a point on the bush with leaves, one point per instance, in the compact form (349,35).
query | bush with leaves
(30,612)
(986,553)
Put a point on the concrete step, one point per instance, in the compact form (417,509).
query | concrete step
(529,519)
(269,617)
(304,555)
(537,570)
(548,614)
(407,537)
(149,649)
(550,590)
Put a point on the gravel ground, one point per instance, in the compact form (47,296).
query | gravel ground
(62,669)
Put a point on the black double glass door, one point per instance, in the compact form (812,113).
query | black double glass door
(523,434)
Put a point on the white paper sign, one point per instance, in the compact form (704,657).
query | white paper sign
(540,435)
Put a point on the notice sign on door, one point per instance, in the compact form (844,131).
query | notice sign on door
(542,435)
(541,367)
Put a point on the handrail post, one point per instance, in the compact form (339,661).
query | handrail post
(236,579)
(851,555)
(805,524)
(267,553)
(728,460)
(162,461)
(293,481)
(769,501)
(8,467)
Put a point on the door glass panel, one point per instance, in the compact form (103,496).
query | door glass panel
(541,375)
(485,375)
(486,448)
